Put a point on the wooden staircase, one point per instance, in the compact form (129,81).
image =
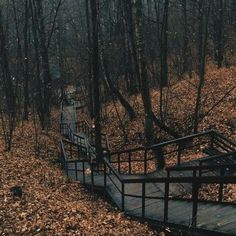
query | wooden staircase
(169,197)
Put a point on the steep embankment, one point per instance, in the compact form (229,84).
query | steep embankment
(50,205)
(217,108)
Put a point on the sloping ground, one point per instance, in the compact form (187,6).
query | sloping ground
(218,102)
(50,205)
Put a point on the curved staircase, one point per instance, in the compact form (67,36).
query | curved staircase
(169,197)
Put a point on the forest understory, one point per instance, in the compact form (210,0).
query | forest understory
(52,205)
(217,109)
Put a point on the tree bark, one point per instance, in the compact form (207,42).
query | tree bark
(148,129)
(96,92)
(115,91)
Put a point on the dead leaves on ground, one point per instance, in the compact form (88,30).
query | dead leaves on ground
(50,204)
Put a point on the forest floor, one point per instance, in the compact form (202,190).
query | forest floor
(217,108)
(50,204)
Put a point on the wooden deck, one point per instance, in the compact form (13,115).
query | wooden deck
(216,218)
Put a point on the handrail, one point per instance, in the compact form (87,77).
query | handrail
(196,168)
(224,138)
(76,138)
(208,179)
(107,163)
(205,159)
(178,140)
(121,183)
(91,133)
(63,150)
(197,179)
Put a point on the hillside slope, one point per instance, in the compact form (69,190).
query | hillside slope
(217,108)
(50,205)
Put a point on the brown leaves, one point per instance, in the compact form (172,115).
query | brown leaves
(51,205)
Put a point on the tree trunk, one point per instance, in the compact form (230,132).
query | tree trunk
(96,92)
(9,115)
(148,129)
(26,62)
(115,91)
(218,22)
(47,83)
(164,47)
(203,35)
(90,81)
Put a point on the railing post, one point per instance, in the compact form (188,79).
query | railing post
(92,177)
(61,156)
(145,162)
(83,172)
(71,150)
(195,189)
(221,187)
(166,198)
(78,153)
(76,170)
(123,197)
(212,139)
(143,199)
(66,168)
(105,175)
(179,153)
(130,163)
(200,170)
(119,163)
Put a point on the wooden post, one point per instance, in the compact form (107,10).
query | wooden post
(212,140)
(221,187)
(130,163)
(71,150)
(83,172)
(145,162)
(143,199)
(76,171)
(92,177)
(166,198)
(179,153)
(195,189)
(119,163)
(123,197)
(200,170)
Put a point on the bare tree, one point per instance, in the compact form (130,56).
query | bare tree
(203,10)
(96,81)
(8,108)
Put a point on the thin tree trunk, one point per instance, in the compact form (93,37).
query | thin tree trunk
(203,35)
(26,62)
(39,97)
(90,81)
(218,21)
(96,92)
(164,47)
(115,91)
(149,131)
(9,115)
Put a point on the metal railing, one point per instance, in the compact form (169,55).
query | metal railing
(173,150)
(84,127)
(122,183)
(195,181)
